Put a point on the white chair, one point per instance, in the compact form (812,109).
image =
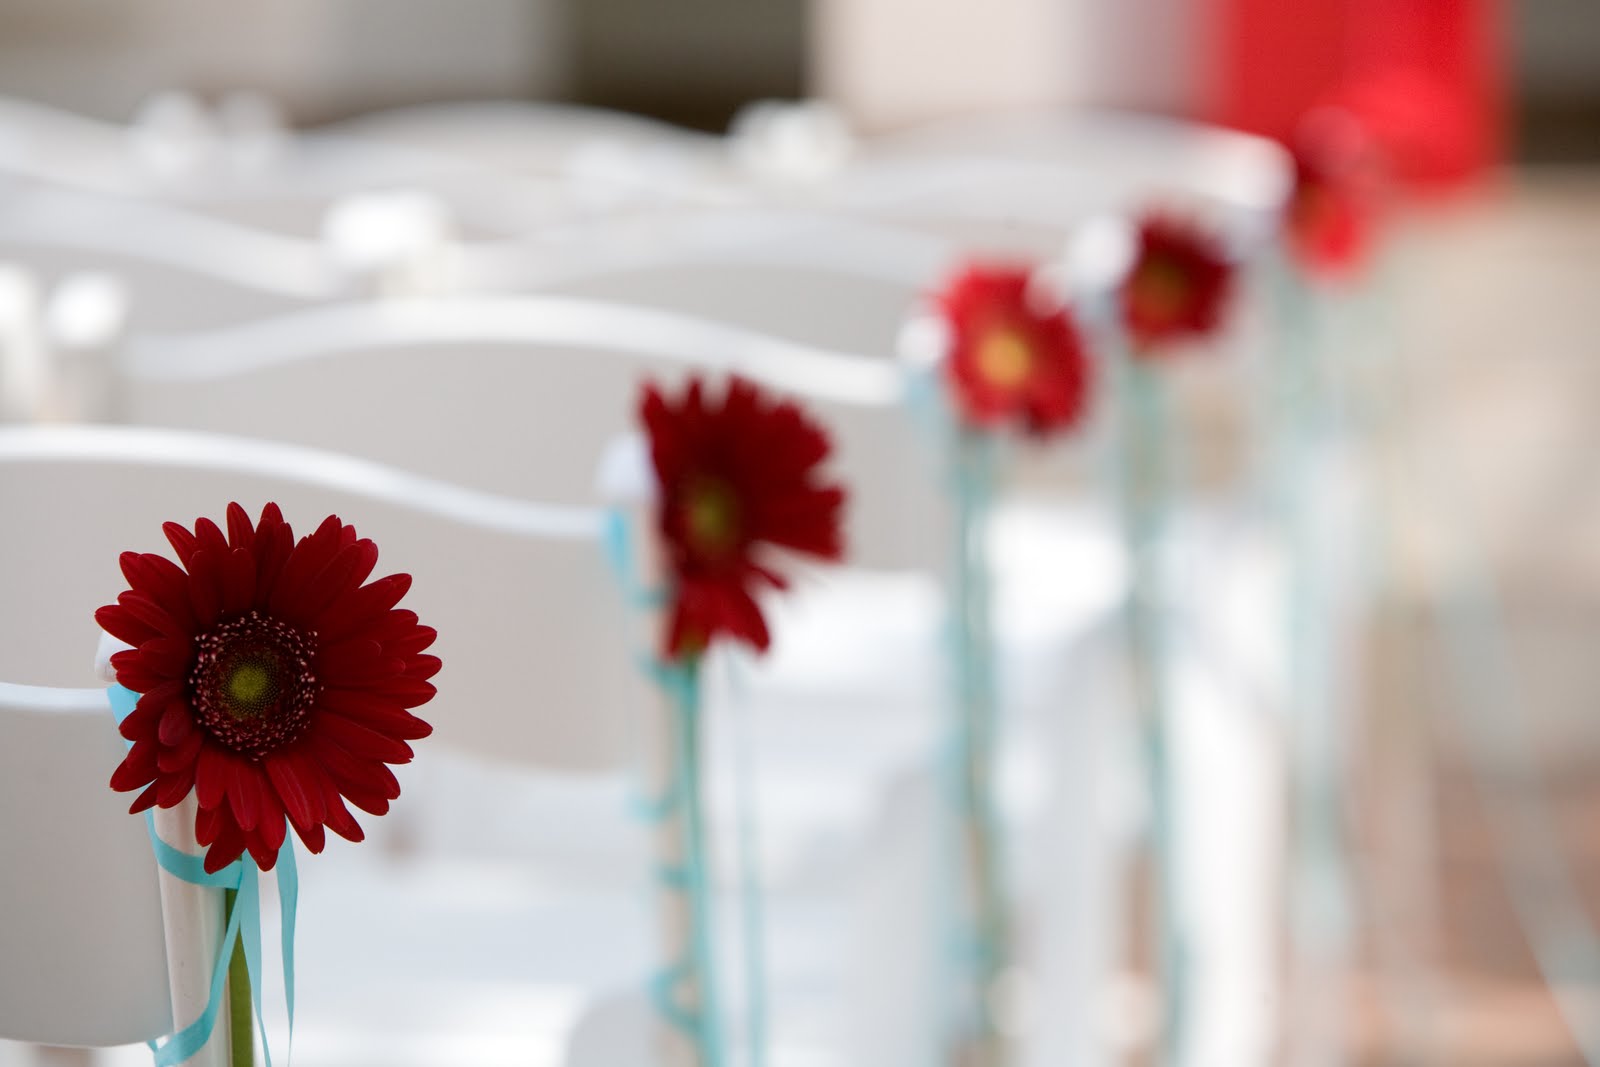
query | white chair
(812,276)
(508,392)
(82,956)
(515,394)
(1121,159)
(182,270)
(538,673)
(79,496)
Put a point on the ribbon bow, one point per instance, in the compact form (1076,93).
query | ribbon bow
(244,923)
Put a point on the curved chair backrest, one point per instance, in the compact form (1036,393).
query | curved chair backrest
(531,630)
(817,277)
(515,135)
(840,261)
(182,270)
(82,956)
(520,395)
(1122,158)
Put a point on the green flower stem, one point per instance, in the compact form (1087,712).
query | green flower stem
(241,1029)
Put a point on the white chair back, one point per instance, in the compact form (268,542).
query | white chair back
(1120,159)
(531,630)
(519,395)
(82,957)
(815,277)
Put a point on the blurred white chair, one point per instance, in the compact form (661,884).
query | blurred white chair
(538,672)
(1116,160)
(55,345)
(77,497)
(517,135)
(503,168)
(83,960)
(516,394)
(181,270)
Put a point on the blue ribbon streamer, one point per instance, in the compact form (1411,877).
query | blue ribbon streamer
(244,924)
(1144,460)
(680,799)
(975,931)
(1302,414)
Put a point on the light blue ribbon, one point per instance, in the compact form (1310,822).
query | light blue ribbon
(1302,413)
(244,924)
(973,736)
(976,931)
(1144,423)
(680,800)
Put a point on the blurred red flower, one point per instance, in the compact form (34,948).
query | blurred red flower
(1332,211)
(1178,285)
(275,684)
(1012,357)
(739,475)
(1430,137)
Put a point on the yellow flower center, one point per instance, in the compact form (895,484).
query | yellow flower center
(1005,358)
(250,687)
(711,514)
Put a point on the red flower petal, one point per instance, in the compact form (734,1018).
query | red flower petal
(177,723)
(119,622)
(362,608)
(213,772)
(340,821)
(145,800)
(182,541)
(137,769)
(245,789)
(273,823)
(169,657)
(241,534)
(238,582)
(228,847)
(205,585)
(357,662)
(162,581)
(301,794)
(362,741)
(181,757)
(151,614)
(380,712)
(173,790)
(134,673)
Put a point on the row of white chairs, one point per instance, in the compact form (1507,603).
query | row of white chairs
(439,417)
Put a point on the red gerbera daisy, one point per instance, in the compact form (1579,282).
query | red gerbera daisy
(274,682)
(1010,356)
(738,476)
(1331,211)
(1177,286)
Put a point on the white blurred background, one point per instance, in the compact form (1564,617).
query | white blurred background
(173,168)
